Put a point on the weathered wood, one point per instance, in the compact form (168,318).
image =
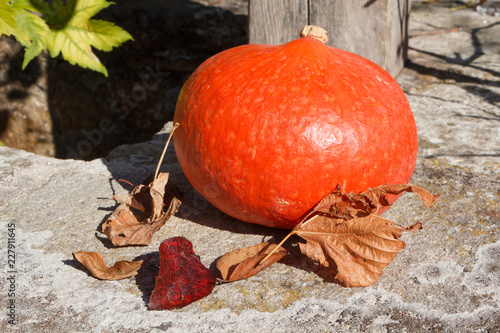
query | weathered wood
(397,53)
(374,29)
(276,21)
(352,26)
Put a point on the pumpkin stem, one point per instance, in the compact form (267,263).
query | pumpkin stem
(314,32)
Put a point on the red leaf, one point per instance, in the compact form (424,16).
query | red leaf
(182,278)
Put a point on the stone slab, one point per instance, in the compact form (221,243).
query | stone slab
(447,279)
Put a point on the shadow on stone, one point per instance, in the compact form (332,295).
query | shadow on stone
(105,241)
(146,276)
(21,79)
(296,259)
(78,265)
(194,207)
(4,119)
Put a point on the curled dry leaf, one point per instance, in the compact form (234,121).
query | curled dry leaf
(126,227)
(142,213)
(94,262)
(349,205)
(182,278)
(147,198)
(243,263)
(343,229)
(379,195)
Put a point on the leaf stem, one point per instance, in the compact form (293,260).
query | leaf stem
(165,149)
(276,247)
(126,181)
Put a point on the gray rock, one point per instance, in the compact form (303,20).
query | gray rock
(447,278)
(491,7)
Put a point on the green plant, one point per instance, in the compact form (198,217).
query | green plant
(62,27)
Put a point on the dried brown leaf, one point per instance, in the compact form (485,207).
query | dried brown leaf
(345,205)
(94,262)
(141,212)
(349,205)
(416,226)
(360,247)
(139,198)
(343,228)
(125,227)
(147,198)
(379,194)
(243,263)
(157,190)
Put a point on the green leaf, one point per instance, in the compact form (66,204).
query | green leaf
(56,13)
(33,27)
(8,24)
(75,38)
(105,35)
(7,21)
(66,28)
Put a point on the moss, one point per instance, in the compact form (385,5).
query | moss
(291,296)
(134,290)
(267,296)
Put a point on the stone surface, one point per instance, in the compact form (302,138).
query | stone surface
(446,280)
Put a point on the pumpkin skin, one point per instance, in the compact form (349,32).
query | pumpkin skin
(266,131)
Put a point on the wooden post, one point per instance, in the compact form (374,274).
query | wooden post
(374,29)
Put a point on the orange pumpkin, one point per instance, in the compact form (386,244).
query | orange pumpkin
(266,131)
